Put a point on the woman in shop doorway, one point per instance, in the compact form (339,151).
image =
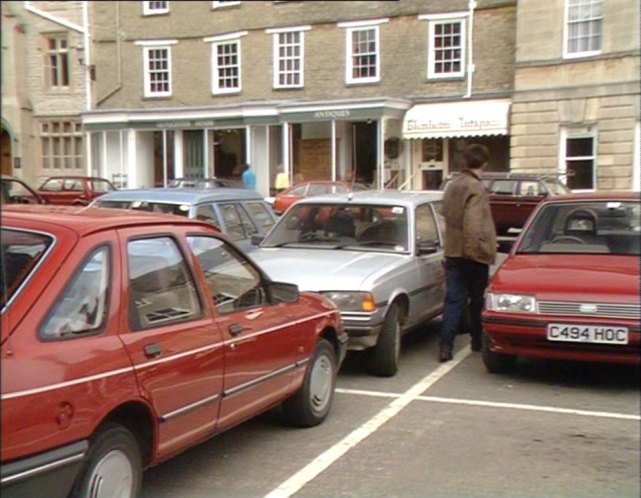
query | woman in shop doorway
(248,177)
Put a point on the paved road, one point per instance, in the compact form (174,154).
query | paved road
(437,430)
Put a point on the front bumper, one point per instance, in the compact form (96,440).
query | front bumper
(363,328)
(527,336)
(46,475)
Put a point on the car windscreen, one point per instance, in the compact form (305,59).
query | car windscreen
(21,252)
(590,227)
(364,227)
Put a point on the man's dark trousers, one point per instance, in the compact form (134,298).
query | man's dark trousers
(466,280)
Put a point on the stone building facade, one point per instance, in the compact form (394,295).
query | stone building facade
(386,93)
(575,107)
(44,88)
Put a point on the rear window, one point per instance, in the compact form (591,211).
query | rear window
(21,252)
(102,186)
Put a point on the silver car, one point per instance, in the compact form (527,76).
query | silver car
(377,254)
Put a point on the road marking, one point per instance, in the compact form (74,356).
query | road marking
(327,458)
(492,404)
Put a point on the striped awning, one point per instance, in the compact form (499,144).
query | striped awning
(457,119)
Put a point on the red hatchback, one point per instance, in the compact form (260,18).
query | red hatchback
(569,289)
(287,197)
(74,190)
(129,337)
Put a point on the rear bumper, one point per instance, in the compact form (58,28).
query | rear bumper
(46,475)
(528,337)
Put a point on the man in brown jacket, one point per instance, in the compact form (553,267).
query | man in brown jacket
(470,249)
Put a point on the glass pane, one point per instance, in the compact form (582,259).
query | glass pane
(83,305)
(579,147)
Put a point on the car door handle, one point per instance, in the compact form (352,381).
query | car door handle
(235,329)
(152,350)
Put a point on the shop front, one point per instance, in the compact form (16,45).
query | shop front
(437,134)
(322,140)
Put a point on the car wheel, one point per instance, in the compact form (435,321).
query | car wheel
(113,468)
(387,351)
(311,404)
(496,362)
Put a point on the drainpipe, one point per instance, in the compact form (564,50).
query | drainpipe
(118,59)
(87,65)
(470,46)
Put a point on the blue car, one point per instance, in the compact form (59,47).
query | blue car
(239,213)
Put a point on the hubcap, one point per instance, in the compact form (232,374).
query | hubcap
(320,387)
(112,477)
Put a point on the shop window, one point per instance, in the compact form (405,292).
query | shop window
(583,27)
(57,62)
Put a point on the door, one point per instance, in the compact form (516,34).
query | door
(261,338)
(432,179)
(171,337)
(429,163)
(430,270)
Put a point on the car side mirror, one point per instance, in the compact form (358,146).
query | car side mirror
(427,247)
(256,239)
(282,292)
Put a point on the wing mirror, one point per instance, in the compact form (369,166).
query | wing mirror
(282,292)
(427,247)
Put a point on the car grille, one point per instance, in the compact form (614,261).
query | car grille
(630,311)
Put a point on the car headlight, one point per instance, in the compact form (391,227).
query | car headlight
(510,303)
(352,301)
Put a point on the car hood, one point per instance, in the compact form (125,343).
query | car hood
(576,277)
(326,269)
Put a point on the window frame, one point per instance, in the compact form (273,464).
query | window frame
(147,9)
(566,32)
(568,133)
(71,281)
(62,59)
(216,41)
(217,4)
(352,27)
(147,47)
(462,20)
(51,156)
(276,59)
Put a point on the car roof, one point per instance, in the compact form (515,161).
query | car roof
(85,220)
(624,195)
(75,177)
(181,195)
(407,198)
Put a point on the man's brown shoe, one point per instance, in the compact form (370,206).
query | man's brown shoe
(445,353)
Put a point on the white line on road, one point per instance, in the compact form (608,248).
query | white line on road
(327,458)
(492,404)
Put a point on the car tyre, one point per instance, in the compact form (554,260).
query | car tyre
(113,467)
(386,353)
(311,404)
(496,362)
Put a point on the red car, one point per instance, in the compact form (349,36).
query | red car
(129,337)
(74,190)
(287,197)
(569,289)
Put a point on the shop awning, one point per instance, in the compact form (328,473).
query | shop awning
(457,119)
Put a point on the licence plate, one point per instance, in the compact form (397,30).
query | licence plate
(600,334)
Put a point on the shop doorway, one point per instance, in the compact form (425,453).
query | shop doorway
(163,155)
(364,152)
(432,179)
(5,147)
(229,153)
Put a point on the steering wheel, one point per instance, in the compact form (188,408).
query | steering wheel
(570,238)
